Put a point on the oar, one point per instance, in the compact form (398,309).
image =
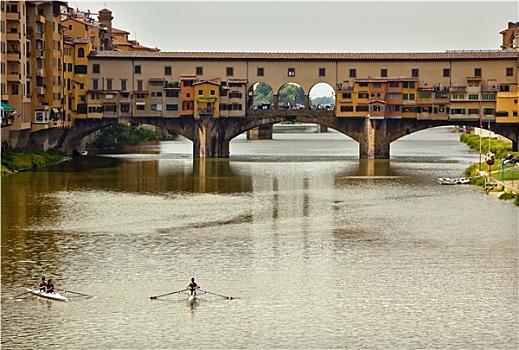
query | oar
(19,295)
(219,295)
(163,295)
(83,294)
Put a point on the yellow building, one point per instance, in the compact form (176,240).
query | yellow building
(206,100)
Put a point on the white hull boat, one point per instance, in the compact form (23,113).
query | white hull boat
(53,296)
(192,299)
(449,181)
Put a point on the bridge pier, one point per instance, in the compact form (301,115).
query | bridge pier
(210,140)
(374,141)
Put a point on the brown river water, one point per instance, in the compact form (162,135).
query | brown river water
(318,249)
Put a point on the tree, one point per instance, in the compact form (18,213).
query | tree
(291,94)
(263,94)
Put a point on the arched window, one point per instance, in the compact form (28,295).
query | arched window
(81,52)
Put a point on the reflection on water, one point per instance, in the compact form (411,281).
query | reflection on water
(322,250)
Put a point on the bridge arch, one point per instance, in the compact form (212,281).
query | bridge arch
(260,96)
(322,95)
(291,96)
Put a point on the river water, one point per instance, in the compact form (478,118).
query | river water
(318,249)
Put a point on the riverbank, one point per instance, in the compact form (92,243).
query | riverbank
(501,179)
(17,159)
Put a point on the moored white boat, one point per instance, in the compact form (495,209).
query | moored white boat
(53,296)
(449,181)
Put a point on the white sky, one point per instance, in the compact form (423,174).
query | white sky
(312,26)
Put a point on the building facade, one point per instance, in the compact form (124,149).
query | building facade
(44,60)
(59,64)
(448,86)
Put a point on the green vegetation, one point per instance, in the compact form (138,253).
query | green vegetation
(263,94)
(499,171)
(120,135)
(498,147)
(291,94)
(17,159)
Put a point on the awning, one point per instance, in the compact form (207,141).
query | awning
(55,110)
(140,103)
(8,108)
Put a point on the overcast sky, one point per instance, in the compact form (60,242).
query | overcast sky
(308,26)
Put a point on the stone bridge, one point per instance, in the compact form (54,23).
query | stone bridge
(211,136)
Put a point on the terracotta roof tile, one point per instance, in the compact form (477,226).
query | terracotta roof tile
(187,77)
(312,56)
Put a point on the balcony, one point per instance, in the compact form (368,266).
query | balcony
(12,16)
(13,55)
(13,36)
(40,72)
(206,112)
(14,76)
(458,89)
(344,87)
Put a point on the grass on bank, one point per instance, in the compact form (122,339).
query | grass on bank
(501,149)
(120,135)
(20,159)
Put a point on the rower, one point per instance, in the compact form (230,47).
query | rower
(42,285)
(50,287)
(193,286)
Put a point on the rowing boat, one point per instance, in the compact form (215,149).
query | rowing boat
(53,296)
(192,299)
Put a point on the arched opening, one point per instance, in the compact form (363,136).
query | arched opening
(291,96)
(322,97)
(260,96)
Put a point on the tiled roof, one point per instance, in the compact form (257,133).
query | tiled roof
(119,31)
(207,82)
(312,56)
(187,77)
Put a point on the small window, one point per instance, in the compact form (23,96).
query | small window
(137,69)
(261,72)
(199,71)
(123,85)
(510,71)
(415,72)
(291,72)
(383,72)
(230,71)
(167,70)
(353,73)
(139,85)
(446,72)
(322,72)
(109,84)
(477,72)
(200,92)
(95,84)
(81,52)
(212,92)
(96,68)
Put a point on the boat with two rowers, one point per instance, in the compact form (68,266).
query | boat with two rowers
(53,296)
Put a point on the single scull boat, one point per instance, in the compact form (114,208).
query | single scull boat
(53,296)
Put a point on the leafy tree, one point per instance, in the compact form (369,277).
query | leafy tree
(291,94)
(263,94)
